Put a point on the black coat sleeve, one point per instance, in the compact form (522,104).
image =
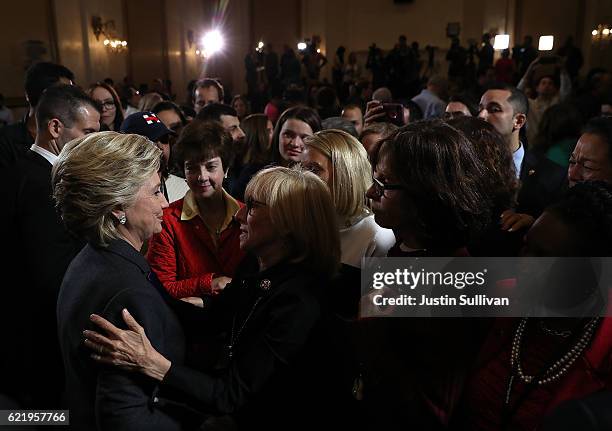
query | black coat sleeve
(283,330)
(124,399)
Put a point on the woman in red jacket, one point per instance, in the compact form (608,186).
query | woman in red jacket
(198,250)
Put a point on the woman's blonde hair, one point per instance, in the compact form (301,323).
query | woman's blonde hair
(302,211)
(97,174)
(351,174)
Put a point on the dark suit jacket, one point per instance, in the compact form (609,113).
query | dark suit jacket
(274,380)
(15,141)
(542,182)
(104,281)
(39,251)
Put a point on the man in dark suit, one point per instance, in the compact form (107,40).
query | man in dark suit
(542,180)
(40,251)
(16,139)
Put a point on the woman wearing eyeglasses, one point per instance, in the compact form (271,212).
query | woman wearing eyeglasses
(271,373)
(198,251)
(112,112)
(428,188)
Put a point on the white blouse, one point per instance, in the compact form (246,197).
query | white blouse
(364,239)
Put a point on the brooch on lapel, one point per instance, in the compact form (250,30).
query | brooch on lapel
(531,172)
(265,284)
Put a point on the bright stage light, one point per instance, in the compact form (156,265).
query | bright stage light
(212,42)
(502,41)
(301,46)
(546,43)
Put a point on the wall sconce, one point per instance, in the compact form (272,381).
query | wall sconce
(115,45)
(107,28)
(602,34)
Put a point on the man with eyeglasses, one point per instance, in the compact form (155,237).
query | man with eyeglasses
(149,125)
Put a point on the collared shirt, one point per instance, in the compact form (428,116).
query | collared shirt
(191,210)
(431,105)
(51,158)
(518,157)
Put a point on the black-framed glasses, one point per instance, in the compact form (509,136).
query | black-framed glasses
(252,203)
(107,104)
(380,187)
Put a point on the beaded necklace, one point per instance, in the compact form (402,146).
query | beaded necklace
(557,369)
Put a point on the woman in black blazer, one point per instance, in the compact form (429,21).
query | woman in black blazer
(274,362)
(107,189)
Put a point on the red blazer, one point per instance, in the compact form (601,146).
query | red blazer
(185,258)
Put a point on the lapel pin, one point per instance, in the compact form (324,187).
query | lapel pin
(265,284)
(531,172)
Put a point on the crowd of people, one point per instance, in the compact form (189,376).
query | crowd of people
(196,264)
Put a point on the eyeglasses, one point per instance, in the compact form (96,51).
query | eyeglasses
(252,203)
(107,104)
(380,187)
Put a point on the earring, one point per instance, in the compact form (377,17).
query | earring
(122,219)
(225,176)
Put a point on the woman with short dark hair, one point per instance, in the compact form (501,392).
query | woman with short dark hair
(197,251)
(428,188)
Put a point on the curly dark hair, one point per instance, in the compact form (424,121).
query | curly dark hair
(445,200)
(496,158)
(587,207)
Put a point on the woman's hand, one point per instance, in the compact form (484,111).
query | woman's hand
(194,300)
(219,283)
(127,349)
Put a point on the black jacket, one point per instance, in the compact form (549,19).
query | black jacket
(542,183)
(15,141)
(39,251)
(104,281)
(276,378)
